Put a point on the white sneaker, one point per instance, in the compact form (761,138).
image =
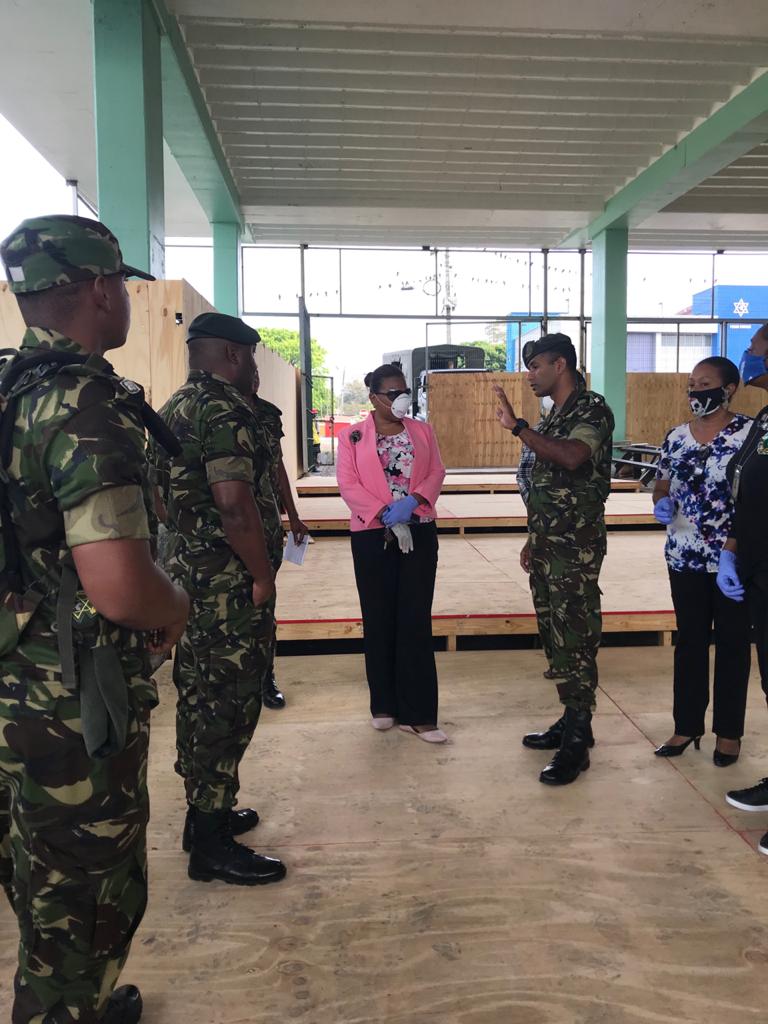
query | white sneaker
(382,723)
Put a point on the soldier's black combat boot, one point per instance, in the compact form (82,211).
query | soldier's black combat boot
(216,855)
(270,695)
(573,756)
(240,822)
(551,738)
(124,1006)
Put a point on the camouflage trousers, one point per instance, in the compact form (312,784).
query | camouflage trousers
(72,852)
(219,669)
(566,595)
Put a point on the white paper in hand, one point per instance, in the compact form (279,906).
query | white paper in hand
(295,552)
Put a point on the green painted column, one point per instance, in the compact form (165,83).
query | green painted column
(129,128)
(226,267)
(609,322)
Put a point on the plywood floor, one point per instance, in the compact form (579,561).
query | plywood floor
(446,884)
(467,510)
(477,575)
(490,483)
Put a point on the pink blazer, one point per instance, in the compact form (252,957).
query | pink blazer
(363,484)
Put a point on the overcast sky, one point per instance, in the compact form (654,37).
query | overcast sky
(484,284)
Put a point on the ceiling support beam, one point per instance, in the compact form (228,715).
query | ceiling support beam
(226,267)
(609,322)
(189,130)
(737,127)
(129,129)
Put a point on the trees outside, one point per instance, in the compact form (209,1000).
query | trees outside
(287,344)
(495,354)
(354,398)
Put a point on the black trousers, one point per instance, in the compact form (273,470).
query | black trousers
(757,600)
(699,604)
(396,592)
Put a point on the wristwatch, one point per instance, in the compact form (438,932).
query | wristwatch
(520,425)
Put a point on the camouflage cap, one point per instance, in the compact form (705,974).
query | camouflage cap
(224,327)
(45,252)
(559,344)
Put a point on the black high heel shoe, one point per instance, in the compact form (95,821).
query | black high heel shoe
(675,750)
(722,760)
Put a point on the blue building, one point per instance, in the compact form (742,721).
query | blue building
(747,304)
(523,327)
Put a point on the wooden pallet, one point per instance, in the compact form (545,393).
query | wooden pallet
(454,626)
(481,589)
(463,512)
(327,487)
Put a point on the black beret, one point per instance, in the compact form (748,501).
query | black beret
(560,344)
(219,325)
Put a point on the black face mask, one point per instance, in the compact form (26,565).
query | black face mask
(703,403)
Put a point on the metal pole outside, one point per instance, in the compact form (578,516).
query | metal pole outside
(582,320)
(72,185)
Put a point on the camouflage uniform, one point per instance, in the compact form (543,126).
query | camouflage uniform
(566,528)
(73,857)
(269,424)
(223,657)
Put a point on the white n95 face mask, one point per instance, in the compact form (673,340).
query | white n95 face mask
(401,406)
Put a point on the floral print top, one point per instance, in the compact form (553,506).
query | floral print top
(396,458)
(701,493)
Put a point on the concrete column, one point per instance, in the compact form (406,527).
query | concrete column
(226,267)
(609,322)
(129,129)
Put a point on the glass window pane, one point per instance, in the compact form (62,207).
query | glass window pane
(478,283)
(191,259)
(664,284)
(564,283)
(322,277)
(388,281)
(271,279)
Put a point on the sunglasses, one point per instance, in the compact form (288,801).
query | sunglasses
(394,393)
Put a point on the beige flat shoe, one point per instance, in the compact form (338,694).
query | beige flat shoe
(430,736)
(382,724)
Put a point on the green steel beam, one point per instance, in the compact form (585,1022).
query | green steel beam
(226,267)
(129,129)
(737,127)
(189,131)
(609,322)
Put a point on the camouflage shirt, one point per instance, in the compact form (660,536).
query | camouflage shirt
(269,427)
(220,442)
(570,504)
(81,472)
(270,419)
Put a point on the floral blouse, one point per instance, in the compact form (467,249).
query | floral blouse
(396,458)
(701,493)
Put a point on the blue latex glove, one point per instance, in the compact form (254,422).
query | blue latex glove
(664,511)
(728,576)
(400,511)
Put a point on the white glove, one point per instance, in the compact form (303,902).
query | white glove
(404,537)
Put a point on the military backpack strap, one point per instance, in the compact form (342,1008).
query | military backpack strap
(160,430)
(65,610)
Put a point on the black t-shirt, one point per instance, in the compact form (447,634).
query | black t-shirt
(748,476)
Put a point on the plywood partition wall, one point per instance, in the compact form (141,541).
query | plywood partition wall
(462,410)
(155,354)
(656,402)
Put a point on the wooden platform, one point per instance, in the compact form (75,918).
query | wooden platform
(455,483)
(446,885)
(476,511)
(481,589)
